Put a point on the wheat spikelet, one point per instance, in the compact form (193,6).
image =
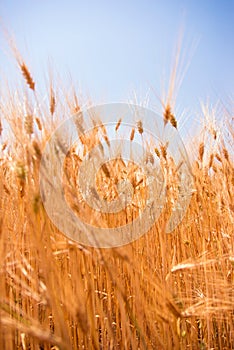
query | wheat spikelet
(4,146)
(76,158)
(163,149)
(214,168)
(103,129)
(6,189)
(139,182)
(76,109)
(211,160)
(140,127)
(27,76)
(107,140)
(225,153)
(217,156)
(38,122)
(156,150)
(23,67)
(167,114)
(37,149)
(106,170)
(132,134)
(201,151)
(28,123)
(118,124)
(1,127)
(173,121)
(52,101)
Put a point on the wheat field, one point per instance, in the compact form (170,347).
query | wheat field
(162,291)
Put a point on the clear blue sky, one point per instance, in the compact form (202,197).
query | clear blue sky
(112,47)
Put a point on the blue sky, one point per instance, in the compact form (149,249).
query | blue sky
(114,47)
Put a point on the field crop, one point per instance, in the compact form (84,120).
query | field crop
(161,291)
